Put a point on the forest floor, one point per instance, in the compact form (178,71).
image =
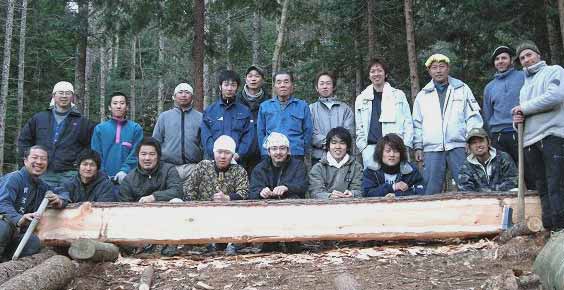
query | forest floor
(452,264)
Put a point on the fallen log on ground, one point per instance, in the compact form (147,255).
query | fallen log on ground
(53,274)
(346,282)
(146,279)
(532,225)
(548,264)
(439,216)
(94,251)
(13,268)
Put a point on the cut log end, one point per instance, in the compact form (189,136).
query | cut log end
(532,225)
(94,251)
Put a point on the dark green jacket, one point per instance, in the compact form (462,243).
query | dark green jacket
(101,189)
(324,178)
(473,175)
(163,182)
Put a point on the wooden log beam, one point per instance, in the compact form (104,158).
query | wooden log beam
(13,268)
(53,274)
(422,217)
(94,251)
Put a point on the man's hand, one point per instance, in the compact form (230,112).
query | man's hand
(27,218)
(120,176)
(400,186)
(280,190)
(148,198)
(236,157)
(390,195)
(347,194)
(518,116)
(336,194)
(419,155)
(266,192)
(54,200)
(220,196)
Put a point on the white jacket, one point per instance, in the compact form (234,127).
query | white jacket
(446,130)
(395,116)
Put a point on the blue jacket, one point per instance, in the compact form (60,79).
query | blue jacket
(500,96)
(233,120)
(294,121)
(116,143)
(374,182)
(21,194)
(75,138)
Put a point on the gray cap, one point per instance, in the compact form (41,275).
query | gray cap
(527,45)
(257,68)
(476,132)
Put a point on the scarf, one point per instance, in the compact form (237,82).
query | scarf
(335,163)
(535,68)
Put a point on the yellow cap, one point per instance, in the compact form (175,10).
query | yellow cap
(437,58)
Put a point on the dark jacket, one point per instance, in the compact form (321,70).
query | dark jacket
(253,105)
(474,176)
(100,189)
(163,182)
(74,138)
(20,193)
(292,174)
(374,182)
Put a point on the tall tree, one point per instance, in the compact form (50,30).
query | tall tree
(198,53)
(370,28)
(5,76)
(160,85)
(132,102)
(552,32)
(255,36)
(561,14)
(103,79)
(411,52)
(83,12)
(21,66)
(277,56)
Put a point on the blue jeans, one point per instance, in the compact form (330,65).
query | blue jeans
(435,165)
(547,161)
(10,239)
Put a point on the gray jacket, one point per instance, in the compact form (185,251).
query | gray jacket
(324,178)
(179,134)
(326,116)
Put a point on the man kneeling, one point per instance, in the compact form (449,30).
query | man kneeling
(486,169)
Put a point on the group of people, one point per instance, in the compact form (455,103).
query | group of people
(249,145)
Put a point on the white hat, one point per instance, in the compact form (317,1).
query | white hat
(182,87)
(437,58)
(276,139)
(224,142)
(63,87)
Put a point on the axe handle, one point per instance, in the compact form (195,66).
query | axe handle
(30,229)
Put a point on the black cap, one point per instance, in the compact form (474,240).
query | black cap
(257,68)
(502,49)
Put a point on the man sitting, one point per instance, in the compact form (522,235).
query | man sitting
(486,169)
(21,193)
(90,184)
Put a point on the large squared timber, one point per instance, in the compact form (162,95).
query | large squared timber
(422,218)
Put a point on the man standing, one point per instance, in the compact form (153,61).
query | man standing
(380,110)
(117,139)
(227,117)
(486,169)
(62,130)
(501,94)
(287,115)
(21,193)
(178,131)
(327,113)
(443,112)
(541,110)
(252,95)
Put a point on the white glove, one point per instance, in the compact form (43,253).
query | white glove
(120,176)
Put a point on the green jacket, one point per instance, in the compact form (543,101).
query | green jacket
(324,178)
(163,182)
(499,173)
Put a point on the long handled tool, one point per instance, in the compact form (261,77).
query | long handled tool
(30,229)
(521,184)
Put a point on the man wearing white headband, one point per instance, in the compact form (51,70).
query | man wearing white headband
(178,131)
(62,130)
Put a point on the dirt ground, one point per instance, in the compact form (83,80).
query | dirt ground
(446,265)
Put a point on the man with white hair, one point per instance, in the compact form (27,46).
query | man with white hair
(62,130)
(178,130)
(279,175)
(444,111)
(220,179)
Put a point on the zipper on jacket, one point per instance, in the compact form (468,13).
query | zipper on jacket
(182,136)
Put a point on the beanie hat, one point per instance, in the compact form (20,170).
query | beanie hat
(257,68)
(224,142)
(437,58)
(527,45)
(276,139)
(182,87)
(63,87)
(502,49)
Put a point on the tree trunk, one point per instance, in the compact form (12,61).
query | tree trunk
(161,73)
(277,56)
(256,32)
(115,55)
(228,42)
(198,53)
(346,282)
(561,14)
(548,264)
(103,78)
(370,28)
(55,273)
(94,251)
(82,51)
(132,78)
(5,76)
(21,67)
(90,58)
(13,268)
(411,52)
(552,33)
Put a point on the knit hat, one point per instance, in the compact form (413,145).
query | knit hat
(224,142)
(437,58)
(63,87)
(182,87)
(502,49)
(257,68)
(527,45)
(476,132)
(276,139)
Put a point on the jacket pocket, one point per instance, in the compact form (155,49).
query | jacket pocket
(296,121)
(239,122)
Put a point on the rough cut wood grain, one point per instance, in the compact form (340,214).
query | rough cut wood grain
(94,251)
(425,217)
(13,268)
(53,274)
